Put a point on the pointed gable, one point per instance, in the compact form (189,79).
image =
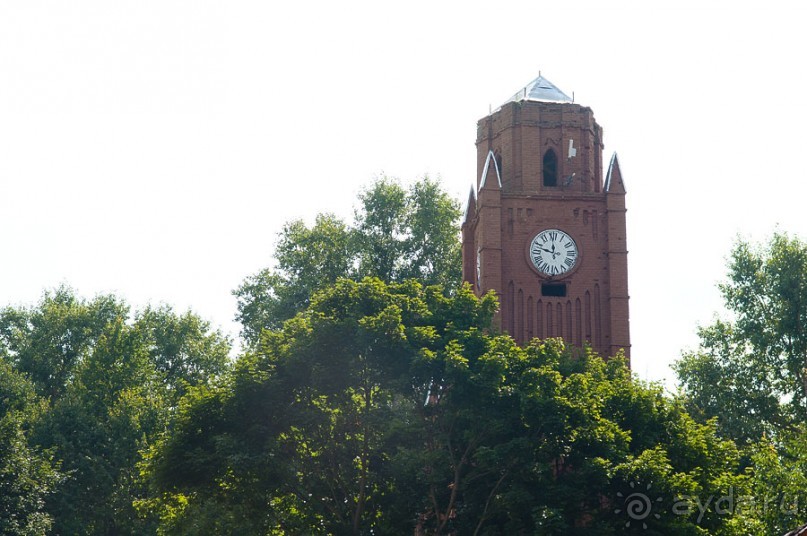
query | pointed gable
(613,182)
(490,169)
(470,206)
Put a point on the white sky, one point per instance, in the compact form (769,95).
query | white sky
(155,148)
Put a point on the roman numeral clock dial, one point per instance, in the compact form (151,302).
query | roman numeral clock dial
(553,252)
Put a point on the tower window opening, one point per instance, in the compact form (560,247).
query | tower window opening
(555,290)
(550,168)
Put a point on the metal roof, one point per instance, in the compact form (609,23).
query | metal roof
(540,89)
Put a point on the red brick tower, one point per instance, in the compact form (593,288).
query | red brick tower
(543,229)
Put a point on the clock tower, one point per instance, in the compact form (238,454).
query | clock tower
(543,229)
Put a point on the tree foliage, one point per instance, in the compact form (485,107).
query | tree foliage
(751,372)
(390,409)
(27,474)
(112,380)
(396,234)
(47,342)
(750,375)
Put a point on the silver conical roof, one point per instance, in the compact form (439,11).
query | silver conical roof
(540,89)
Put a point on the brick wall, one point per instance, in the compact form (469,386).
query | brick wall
(501,222)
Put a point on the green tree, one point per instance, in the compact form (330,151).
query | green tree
(389,409)
(750,375)
(396,234)
(432,243)
(307,259)
(382,230)
(27,474)
(113,380)
(183,348)
(778,482)
(113,409)
(48,341)
(751,372)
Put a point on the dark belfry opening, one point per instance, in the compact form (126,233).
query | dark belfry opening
(556,290)
(550,168)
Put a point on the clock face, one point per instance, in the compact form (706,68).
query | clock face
(553,252)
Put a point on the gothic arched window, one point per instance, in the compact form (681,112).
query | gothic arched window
(550,168)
